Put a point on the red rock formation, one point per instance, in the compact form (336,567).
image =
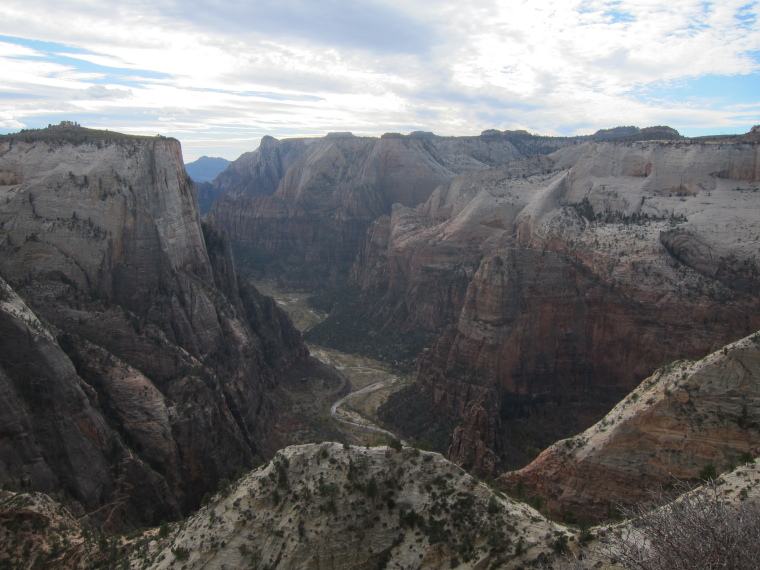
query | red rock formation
(682,419)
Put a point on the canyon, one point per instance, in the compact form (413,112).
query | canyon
(544,277)
(604,287)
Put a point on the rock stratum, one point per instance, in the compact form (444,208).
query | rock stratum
(135,368)
(686,421)
(576,273)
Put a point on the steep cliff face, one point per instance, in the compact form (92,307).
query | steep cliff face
(258,173)
(585,274)
(100,234)
(684,418)
(312,227)
(56,438)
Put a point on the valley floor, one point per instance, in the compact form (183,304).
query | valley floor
(354,404)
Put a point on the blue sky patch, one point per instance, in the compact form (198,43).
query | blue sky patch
(52,51)
(708,91)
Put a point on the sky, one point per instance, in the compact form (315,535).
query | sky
(219,75)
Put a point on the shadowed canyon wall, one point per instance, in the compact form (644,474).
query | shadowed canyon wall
(150,364)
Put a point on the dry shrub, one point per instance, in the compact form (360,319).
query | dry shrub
(700,529)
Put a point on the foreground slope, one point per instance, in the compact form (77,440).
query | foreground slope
(687,420)
(144,321)
(329,506)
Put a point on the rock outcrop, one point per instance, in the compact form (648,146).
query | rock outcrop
(569,274)
(688,420)
(153,351)
(36,532)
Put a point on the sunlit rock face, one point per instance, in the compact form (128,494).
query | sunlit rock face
(148,337)
(678,422)
(586,269)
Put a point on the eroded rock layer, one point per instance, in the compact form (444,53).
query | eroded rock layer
(568,274)
(150,363)
(687,420)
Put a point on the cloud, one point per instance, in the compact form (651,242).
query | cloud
(243,69)
(102,93)
(10,124)
(359,24)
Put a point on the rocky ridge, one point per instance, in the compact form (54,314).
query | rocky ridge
(686,421)
(330,506)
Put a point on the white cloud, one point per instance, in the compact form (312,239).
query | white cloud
(285,66)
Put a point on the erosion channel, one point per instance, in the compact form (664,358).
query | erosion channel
(367,383)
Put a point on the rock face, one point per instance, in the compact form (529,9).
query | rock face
(580,271)
(303,206)
(325,506)
(683,419)
(156,362)
(56,436)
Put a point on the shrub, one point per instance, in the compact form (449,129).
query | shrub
(701,529)
(708,472)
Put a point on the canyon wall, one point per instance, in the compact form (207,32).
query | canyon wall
(329,191)
(582,273)
(687,420)
(164,351)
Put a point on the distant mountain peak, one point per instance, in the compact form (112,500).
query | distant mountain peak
(206,168)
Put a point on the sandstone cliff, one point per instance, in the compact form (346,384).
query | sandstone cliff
(687,419)
(581,272)
(100,234)
(328,192)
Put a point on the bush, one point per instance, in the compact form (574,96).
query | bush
(708,472)
(700,529)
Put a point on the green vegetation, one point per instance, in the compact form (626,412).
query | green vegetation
(410,413)
(349,329)
(68,132)
(708,472)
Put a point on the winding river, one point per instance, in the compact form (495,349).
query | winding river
(354,419)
